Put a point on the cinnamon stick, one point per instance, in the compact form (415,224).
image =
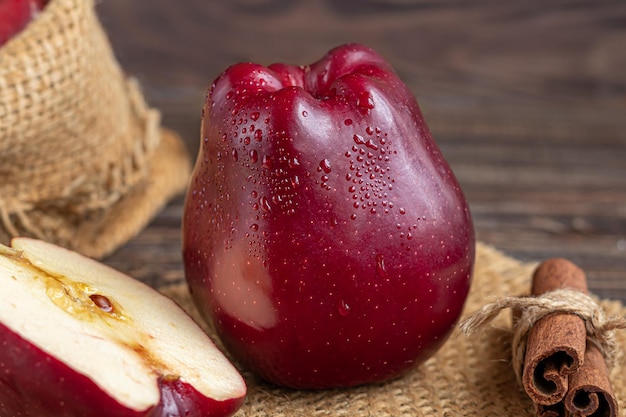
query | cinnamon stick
(556,344)
(554,410)
(591,393)
(564,373)
(561,343)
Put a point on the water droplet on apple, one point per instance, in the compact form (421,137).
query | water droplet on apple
(265,204)
(325,165)
(294,162)
(258,135)
(305,113)
(343,308)
(358,139)
(254,227)
(347,122)
(234,154)
(370,144)
(254,156)
(380,266)
(266,162)
(365,100)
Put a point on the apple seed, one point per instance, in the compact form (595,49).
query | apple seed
(102,302)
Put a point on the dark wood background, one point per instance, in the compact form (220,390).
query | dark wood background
(526,99)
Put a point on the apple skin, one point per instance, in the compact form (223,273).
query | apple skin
(325,237)
(34,383)
(15,15)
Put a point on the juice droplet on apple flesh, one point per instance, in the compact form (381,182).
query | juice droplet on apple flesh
(80,300)
(87,303)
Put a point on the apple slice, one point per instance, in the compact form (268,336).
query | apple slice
(78,338)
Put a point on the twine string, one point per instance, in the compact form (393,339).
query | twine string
(600,328)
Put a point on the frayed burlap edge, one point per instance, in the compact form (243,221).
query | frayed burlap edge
(168,170)
(77,140)
(469,376)
(104,230)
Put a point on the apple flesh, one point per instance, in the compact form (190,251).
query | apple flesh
(324,234)
(78,338)
(15,15)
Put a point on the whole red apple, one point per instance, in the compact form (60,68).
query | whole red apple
(325,236)
(15,15)
(78,339)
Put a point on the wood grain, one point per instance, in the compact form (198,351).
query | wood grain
(526,99)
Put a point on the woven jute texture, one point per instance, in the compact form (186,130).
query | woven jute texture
(84,162)
(469,376)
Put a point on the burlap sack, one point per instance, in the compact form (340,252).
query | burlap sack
(84,162)
(469,376)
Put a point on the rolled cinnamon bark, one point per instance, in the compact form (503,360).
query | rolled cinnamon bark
(561,343)
(564,373)
(556,344)
(554,410)
(591,392)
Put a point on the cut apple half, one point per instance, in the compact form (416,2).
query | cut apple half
(78,338)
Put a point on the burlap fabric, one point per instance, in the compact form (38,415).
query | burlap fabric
(469,376)
(84,162)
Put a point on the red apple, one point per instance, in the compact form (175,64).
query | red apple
(325,236)
(15,15)
(78,338)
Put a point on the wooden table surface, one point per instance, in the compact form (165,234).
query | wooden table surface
(526,99)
